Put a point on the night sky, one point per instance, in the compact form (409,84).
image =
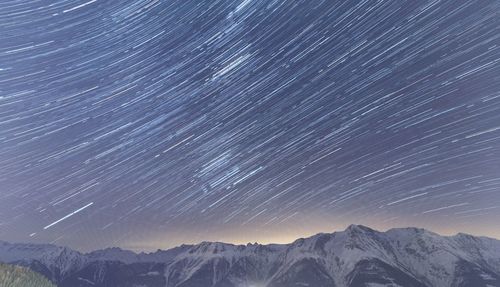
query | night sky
(146,124)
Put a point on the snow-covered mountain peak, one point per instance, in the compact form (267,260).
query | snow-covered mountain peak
(113,254)
(358,228)
(211,248)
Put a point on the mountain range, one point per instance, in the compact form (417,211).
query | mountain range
(357,256)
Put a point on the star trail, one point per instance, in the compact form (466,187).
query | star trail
(146,124)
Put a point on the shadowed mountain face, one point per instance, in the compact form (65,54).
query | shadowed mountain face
(356,257)
(374,271)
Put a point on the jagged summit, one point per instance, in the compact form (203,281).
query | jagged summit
(359,227)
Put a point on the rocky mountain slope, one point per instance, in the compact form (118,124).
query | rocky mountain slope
(15,276)
(358,256)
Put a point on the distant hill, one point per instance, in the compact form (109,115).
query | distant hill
(15,276)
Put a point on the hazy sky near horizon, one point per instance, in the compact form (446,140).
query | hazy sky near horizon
(146,124)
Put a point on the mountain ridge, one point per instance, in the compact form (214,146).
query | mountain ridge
(248,243)
(357,256)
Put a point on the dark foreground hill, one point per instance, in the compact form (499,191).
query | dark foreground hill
(358,256)
(16,276)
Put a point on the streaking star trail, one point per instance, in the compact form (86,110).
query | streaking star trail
(145,124)
(67,216)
